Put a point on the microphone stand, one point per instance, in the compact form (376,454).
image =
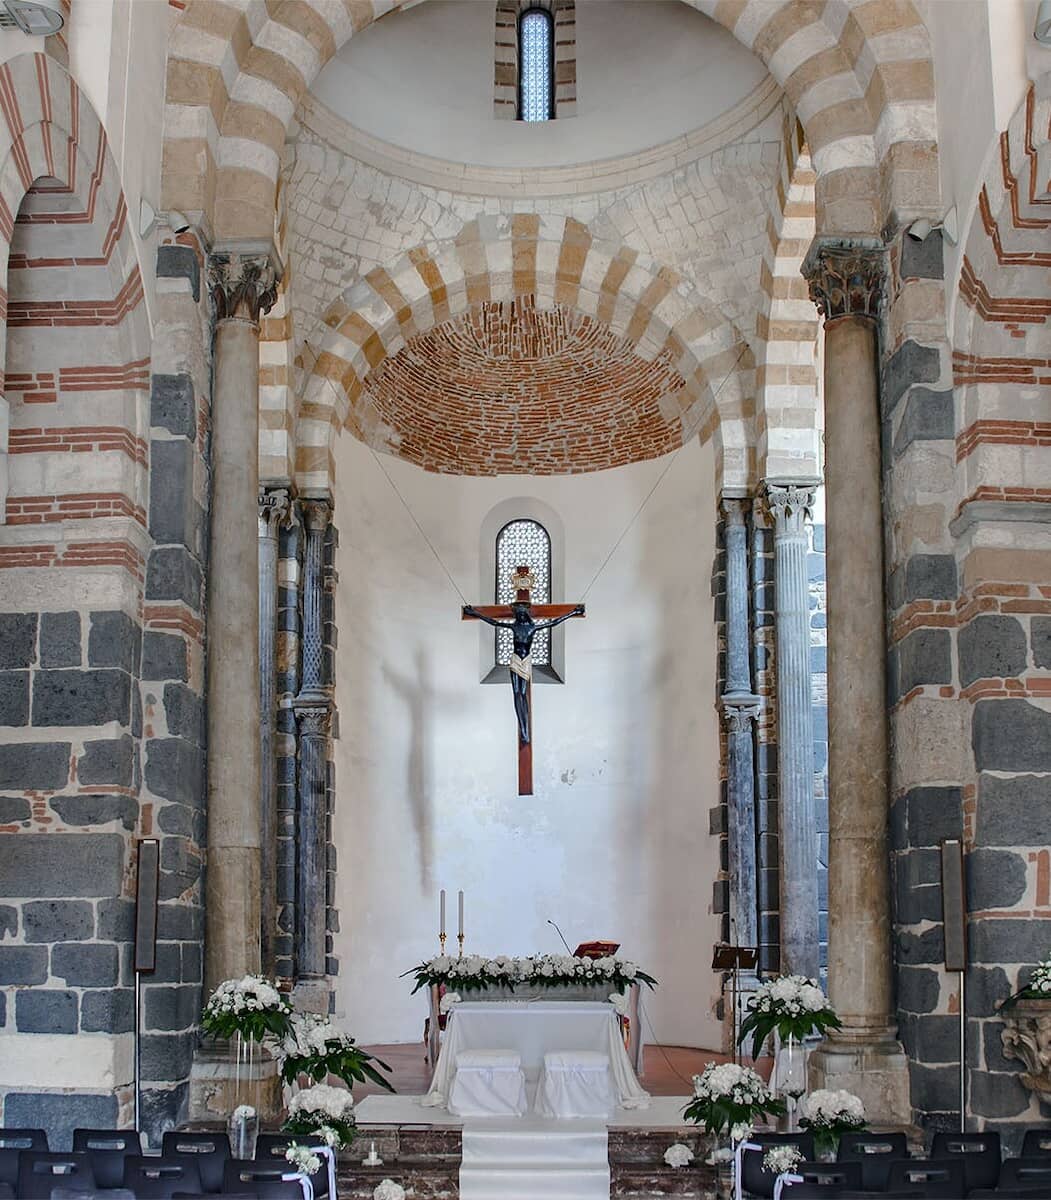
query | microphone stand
(559,932)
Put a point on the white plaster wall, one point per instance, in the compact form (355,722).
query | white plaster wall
(615,842)
(647,71)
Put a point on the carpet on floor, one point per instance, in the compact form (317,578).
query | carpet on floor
(532,1157)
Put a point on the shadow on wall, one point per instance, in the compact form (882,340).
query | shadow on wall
(418,697)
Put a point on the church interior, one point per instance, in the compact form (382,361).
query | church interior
(538,501)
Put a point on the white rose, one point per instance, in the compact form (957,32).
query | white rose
(678,1155)
(389,1190)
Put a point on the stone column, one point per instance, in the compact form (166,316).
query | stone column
(789,505)
(273,513)
(313,708)
(846,280)
(243,284)
(740,709)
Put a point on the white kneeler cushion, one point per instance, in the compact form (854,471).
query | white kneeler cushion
(488,1083)
(575,1083)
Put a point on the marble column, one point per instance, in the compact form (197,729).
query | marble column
(243,283)
(273,513)
(313,707)
(789,505)
(740,710)
(846,281)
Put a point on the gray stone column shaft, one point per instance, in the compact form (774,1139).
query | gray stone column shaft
(273,511)
(243,286)
(789,505)
(313,708)
(740,709)
(846,282)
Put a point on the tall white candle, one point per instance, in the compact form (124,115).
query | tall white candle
(461,913)
(441,914)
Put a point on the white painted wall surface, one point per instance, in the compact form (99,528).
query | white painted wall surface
(647,71)
(615,842)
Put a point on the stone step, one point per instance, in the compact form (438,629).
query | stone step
(424,1143)
(422,1180)
(648,1145)
(646,1180)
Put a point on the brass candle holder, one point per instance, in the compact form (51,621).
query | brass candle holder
(441,941)
(459,938)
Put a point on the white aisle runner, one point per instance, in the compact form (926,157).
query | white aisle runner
(534,1159)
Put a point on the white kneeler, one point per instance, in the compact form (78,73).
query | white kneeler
(488,1083)
(575,1083)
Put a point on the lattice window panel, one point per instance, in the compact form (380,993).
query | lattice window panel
(536,37)
(523,543)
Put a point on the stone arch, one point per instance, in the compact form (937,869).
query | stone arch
(557,261)
(860,78)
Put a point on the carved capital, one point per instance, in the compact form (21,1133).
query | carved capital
(314,716)
(243,283)
(740,712)
(846,276)
(316,515)
(735,509)
(1026,1036)
(274,510)
(789,504)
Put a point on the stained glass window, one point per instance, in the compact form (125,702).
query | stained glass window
(535,57)
(523,543)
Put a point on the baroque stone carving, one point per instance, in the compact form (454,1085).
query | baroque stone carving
(846,277)
(1026,1036)
(243,285)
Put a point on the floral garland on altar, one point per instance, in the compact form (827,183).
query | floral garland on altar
(475,972)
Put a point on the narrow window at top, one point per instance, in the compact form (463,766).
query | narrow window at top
(536,38)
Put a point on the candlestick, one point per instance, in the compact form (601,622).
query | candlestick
(460,931)
(373,1159)
(459,938)
(441,942)
(441,919)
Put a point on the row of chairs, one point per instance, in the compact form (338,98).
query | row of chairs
(960,1165)
(110,1163)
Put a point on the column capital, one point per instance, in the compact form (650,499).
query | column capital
(317,514)
(735,508)
(740,710)
(790,504)
(243,281)
(846,276)
(275,506)
(314,714)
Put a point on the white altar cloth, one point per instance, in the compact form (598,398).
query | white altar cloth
(533,1028)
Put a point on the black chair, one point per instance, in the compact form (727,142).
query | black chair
(755,1178)
(9,1167)
(1036,1142)
(161,1177)
(816,1191)
(23,1139)
(928,1177)
(979,1153)
(1017,1174)
(824,1175)
(7,1191)
(210,1151)
(270,1149)
(875,1152)
(260,1179)
(107,1149)
(40,1170)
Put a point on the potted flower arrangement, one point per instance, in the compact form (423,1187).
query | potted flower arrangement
(830,1114)
(729,1099)
(323,1115)
(313,1047)
(792,1006)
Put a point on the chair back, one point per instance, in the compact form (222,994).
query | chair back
(754,1176)
(39,1171)
(159,1178)
(7,1191)
(815,1191)
(270,1149)
(825,1175)
(875,1152)
(23,1139)
(1026,1172)
(1036,1142)
(9,1166)
(979,1153)
(260,1179)
(208,1150)
(928,1177)
(107,1149)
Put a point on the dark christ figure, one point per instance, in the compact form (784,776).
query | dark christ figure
(520,619)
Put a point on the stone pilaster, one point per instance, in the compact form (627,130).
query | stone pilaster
(243,283)
(740,709)
(789,506)
(273,513)
(313,707)
(846,282)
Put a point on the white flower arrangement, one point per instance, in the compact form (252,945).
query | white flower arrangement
(1038,987)
(782,1160)
(322,1113)
(449,1001)
(475,972)
(250,1006)
(678,1155)
(619,1000)
(387,1189)
(305,1161)
(313,1046)
(728,1096)
(829,1114)
(792,1005)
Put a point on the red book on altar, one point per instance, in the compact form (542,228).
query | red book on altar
(596,949)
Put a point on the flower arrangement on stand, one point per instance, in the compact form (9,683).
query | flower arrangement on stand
(475,972)
(245,1012)
(322,1114)
(313,1047)
(829,1114)
(1038,987)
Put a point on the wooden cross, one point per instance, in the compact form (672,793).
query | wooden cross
(524,620)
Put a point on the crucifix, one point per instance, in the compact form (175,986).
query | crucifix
(521,618)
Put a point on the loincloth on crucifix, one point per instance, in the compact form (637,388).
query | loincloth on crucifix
(522,667)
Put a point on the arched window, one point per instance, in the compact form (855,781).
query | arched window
(523,543)
(536,64)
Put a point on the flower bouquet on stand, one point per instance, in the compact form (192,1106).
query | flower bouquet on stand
(792,1008)
(323,1117)
(245,1012)
(312,1047)
(828,1115)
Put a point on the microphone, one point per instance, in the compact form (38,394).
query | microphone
(559,932)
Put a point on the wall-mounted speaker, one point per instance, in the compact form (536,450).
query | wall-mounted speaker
(146,904)
(954,905)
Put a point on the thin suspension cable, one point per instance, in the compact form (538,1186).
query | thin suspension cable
(660,479)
